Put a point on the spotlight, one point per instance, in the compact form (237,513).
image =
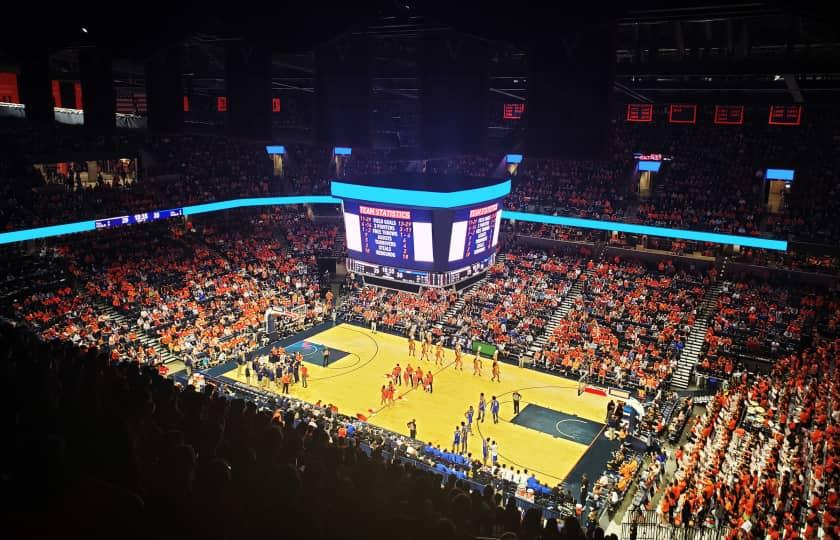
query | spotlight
(84,30)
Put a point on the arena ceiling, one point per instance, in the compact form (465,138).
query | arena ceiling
(663,49)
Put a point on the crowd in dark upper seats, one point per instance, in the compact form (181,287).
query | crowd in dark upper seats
(175,171)
(714,182)
(824,263)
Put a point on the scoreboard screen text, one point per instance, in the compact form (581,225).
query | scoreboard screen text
(785,115)
(639,112)
(729,115)
(475,232)
(394,236)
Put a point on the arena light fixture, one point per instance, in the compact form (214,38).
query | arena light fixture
(652,166)
(629,228)
(779,174)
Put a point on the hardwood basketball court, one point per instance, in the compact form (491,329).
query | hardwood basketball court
(353,383)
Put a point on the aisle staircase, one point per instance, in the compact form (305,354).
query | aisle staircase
(459,304)
(147,339)
(694,346)
(338,247)
(560,313)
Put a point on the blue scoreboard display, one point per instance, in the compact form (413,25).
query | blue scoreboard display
(388,235)
(144,217)
(417,229)
(475,232)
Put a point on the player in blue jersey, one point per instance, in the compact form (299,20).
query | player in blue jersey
(494,409)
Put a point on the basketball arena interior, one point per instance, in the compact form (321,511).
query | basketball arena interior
(421,270)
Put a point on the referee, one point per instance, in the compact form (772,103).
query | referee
(516,398)
(326,356)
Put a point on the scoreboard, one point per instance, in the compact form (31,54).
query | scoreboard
(424,246)
(388,235)
(475,232)
(729,115)
(682,114)
(420,277)
(639,112)
(133,219)
(785,115)
(431,230)
(513,111)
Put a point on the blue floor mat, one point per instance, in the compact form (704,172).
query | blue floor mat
(558,424)
(314,352)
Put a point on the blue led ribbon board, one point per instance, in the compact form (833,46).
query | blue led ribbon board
(342,151)
(652,166)
(426,199)
(683,234)
(46,232)
(258,201)
(513,158)
(275,149)
(445,200)
(91,225)
(779,174)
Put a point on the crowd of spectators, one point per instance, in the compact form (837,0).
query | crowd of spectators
(762,458)
(629,325)
(758,320)
(587,189)
(200,289)
(398,311)
(512,306)
(820,262)
(713,182)
(508,309)
(176,171)
(552,232)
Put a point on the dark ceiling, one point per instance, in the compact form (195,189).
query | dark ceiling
(133,29)
(752,47)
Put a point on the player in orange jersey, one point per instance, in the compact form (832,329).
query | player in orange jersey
(459,361)
(424,351)
(409,375)
(439,353)
(412,347)
(496,372)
